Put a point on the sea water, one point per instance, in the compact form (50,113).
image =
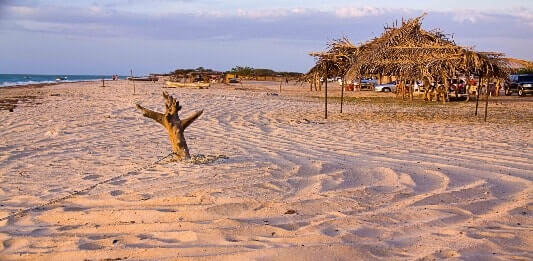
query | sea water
(25,79)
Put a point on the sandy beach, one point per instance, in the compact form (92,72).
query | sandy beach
(384,180)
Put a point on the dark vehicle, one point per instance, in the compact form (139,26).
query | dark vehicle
(457,89)
(519,83)
(233,80)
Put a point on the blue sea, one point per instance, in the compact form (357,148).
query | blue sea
(25,79)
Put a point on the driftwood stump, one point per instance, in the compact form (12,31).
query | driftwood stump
(175,127)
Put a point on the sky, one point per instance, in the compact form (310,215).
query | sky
(114,36)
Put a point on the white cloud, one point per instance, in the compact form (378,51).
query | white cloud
(272,13)
(526,15)
(353,12)
(21,10)
(466,15)
(360,23)
(237,36)
(520,15)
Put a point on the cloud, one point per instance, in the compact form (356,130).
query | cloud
(241,24)
(351,12)
(316,26)
(271,14)
(466,15)
(523,16)
(282,23)
(526,15)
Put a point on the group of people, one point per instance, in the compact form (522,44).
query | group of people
(115,77)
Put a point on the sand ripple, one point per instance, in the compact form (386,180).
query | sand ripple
(288,185)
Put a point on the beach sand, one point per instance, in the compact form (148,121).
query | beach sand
(384,180)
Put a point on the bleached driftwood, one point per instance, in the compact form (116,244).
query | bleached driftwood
(172,123)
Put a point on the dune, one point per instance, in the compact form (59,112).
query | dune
(377,182)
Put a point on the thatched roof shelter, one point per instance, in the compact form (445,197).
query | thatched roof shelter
(336,61)
(516,65)
(410,52)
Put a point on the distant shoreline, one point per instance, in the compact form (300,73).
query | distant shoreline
(10,80)
(31,85)
(39,85)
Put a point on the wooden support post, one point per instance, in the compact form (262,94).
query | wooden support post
(487,99)
(477,93)
(280,82)
(342,92)
(103,82)
(444,89)
(468,87)
(132,80)
(313,85)
(326,94)
(403,89)
(411,88)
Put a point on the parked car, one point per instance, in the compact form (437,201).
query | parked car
(389,87)
(368,83)
(519,83)
(457,89)
(233,80)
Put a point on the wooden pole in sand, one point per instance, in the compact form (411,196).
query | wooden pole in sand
(342,92)
(280,82)
(131,73)
(487,99)
(411,90)
(403,83)
(477,92)
(326,94)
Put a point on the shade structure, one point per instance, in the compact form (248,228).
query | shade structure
(410,52)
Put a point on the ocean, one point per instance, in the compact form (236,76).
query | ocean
(25,79)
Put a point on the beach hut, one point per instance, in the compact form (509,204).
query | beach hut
(411,53)
(332,63)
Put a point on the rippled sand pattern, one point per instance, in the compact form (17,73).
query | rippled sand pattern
(293,186)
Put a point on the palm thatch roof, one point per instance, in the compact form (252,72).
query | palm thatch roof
(336,61)
(518,64)
(410,52)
